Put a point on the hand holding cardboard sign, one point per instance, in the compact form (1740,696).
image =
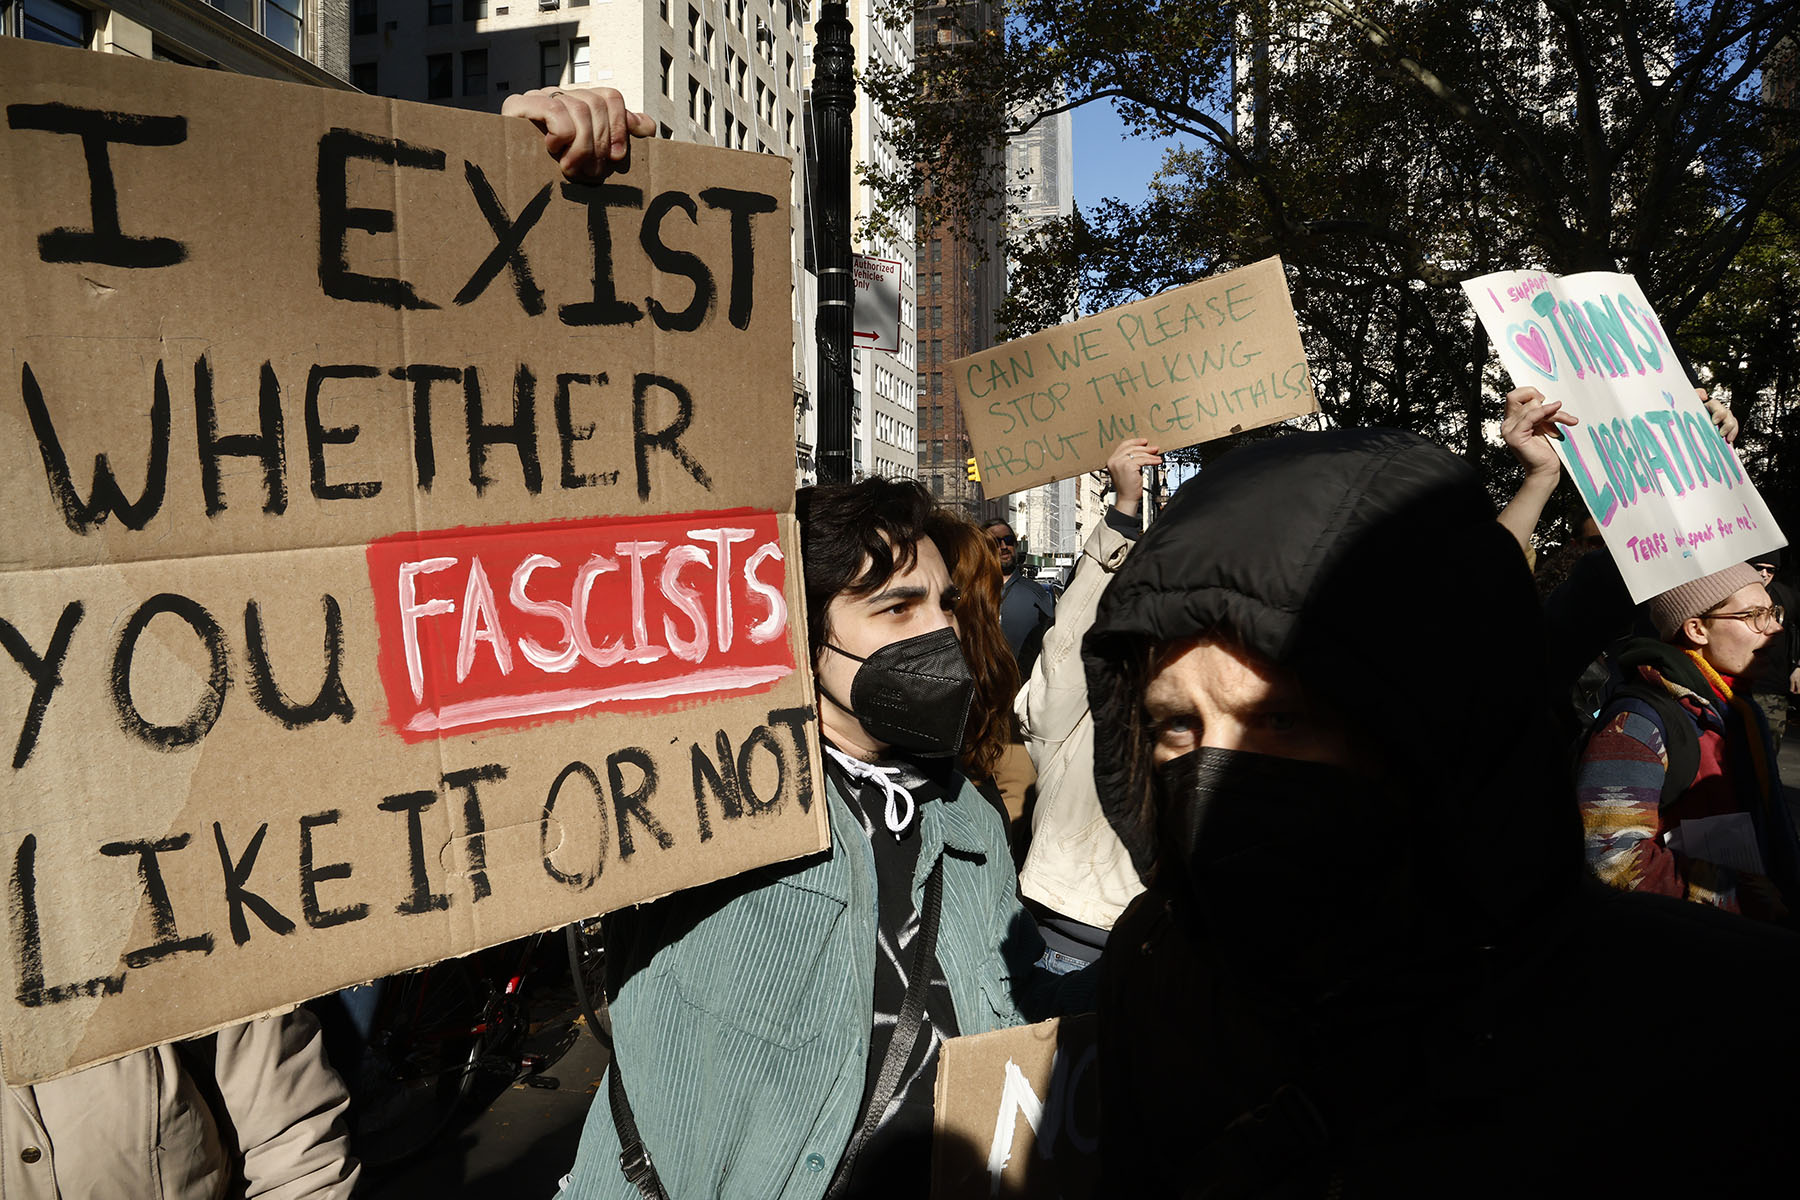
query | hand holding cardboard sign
(429,432)
(1126,466)
(1527,428)
(1722,417)
(585,129)
(1650,460)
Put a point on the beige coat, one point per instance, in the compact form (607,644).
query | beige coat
(1076,865)
(139,1128)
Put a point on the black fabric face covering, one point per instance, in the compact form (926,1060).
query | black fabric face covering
(1301,871)
(914,693)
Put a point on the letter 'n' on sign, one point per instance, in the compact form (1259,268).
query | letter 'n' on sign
(1017,1113)
(390,523)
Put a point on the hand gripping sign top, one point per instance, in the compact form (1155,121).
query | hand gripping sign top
(1670,496)
(391,568)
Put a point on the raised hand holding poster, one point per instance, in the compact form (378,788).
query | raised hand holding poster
(391,569)
(1670,496)
(1195,363)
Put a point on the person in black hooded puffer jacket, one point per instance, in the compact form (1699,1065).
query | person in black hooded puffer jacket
(1369,961)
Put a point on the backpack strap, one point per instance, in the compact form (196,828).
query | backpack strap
(1681,743)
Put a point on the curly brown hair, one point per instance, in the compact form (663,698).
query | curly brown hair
(975,570)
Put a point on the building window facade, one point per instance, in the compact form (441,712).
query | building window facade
(550,64)
(55,22)
(282,22)
(579,66)
(437,77)
(475,72)
(237,10)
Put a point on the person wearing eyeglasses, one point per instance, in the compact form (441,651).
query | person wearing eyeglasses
(1677,784)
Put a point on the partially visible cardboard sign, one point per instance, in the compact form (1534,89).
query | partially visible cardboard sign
(394,565)
(1018,1114)
(877,319)
(1195,363)
(1671,497)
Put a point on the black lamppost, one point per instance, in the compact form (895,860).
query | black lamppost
(834,101)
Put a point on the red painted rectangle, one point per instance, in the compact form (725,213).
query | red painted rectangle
(509,626)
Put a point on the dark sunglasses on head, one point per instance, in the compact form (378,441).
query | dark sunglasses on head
(1008,540)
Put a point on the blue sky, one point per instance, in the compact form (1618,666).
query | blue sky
(1109,161)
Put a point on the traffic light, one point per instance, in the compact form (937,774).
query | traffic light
(974,471)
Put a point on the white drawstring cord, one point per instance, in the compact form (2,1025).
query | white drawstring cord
(885,776)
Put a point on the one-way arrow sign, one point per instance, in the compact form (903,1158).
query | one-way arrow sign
(877,318)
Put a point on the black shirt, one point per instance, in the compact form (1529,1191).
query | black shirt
(897,1159)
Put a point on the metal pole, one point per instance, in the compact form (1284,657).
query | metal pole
(834,101)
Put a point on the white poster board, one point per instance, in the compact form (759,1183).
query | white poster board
(1670,496)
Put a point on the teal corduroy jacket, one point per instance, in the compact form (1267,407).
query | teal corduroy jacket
(741,1011)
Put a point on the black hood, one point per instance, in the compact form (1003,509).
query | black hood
(1369,563)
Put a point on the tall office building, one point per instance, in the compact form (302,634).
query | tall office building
(1040,167)
(303,41)
(961,281)
(719,72)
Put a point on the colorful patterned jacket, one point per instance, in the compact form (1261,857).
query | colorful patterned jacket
(1620,778)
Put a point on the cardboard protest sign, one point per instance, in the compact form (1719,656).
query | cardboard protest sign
(400,555)
(1195,363)
(1669,494)
(1018,1114)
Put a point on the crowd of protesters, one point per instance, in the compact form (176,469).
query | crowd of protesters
(1387,871)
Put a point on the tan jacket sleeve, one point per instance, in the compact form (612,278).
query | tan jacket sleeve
(287,1108)
(1054,699)
(1076,865)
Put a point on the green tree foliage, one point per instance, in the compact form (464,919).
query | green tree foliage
(1387,149)
(1747,333)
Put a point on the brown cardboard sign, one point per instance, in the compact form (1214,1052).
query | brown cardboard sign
(1018,1114)
(400,548)
(1195,363)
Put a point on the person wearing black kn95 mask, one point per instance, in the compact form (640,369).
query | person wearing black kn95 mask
(1369,961)
(913,694)
(777,1034)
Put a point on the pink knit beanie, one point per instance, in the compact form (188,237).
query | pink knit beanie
(1676,605)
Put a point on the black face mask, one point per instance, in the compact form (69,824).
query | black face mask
(1301,870)
(914,693)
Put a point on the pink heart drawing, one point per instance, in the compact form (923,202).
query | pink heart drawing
(1534,346)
